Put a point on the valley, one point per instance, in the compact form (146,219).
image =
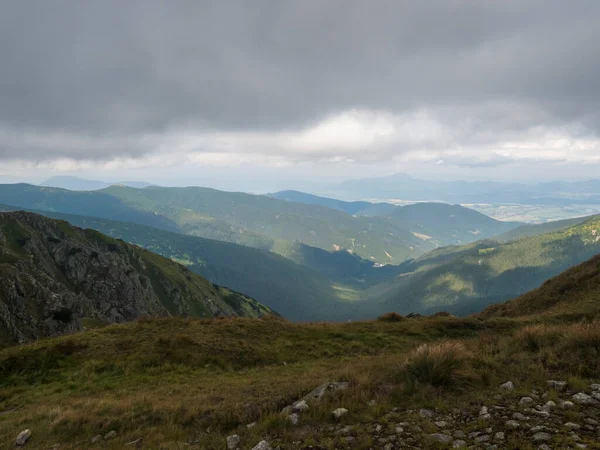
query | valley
(308,283)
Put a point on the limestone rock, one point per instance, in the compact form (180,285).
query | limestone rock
(233,442)
(339,413)
(441,438)
(110,435)
(262,445)
(23,437)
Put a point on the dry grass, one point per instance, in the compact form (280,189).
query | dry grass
(439,364)
(174,379)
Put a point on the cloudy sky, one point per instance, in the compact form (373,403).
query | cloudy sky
(275,92)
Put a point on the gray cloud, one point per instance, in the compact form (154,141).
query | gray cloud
(109,74)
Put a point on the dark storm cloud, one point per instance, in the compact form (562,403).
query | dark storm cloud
(108,71)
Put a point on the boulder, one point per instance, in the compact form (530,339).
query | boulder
(110,435)
(583,399)
(23,437)
(233,442)
(339,413)
(262,445)
(441,438)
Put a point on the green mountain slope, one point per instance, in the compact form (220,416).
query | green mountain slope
(318,288)
(574,293)
(253,220)
(438,223)
(87,203)
(469,278)
(446,224)
(192,208)
(537,229)
(352,208)
(54,277)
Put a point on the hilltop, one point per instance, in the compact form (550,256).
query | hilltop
(56,278)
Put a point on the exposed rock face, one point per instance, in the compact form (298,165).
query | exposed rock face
(52,275)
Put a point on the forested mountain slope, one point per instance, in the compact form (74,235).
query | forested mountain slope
(574,293)
(467,279)
(314,285)
(54,277)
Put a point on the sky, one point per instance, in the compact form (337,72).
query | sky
(268,95)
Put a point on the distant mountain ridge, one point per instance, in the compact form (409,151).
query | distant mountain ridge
(352,208)
(82,184)
(55,278)
(405,187)
(440,223)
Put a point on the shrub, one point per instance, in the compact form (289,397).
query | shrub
(390,317)
(437,364)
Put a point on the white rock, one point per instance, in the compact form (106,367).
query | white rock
(572,426)
(583,399)
(557,385)
(251,425)
(595,386)
(233,442)
(23,437)
(566,404)
(549,406)
(97,438)
(110,435)
(441,424)
(509,386)
(526,401)
(339,412)
(512,424)
(293,418)
(459,443)
(425,413)
(300,406)
(441,438)
(499,436)
(262,445)
(541,437)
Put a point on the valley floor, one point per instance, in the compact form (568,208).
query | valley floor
(174,384)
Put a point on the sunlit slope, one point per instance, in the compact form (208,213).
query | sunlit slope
(467,279)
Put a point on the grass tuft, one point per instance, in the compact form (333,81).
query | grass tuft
(438,365)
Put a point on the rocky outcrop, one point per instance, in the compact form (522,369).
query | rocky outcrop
(54,275)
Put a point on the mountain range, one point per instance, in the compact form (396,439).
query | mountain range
(56,278)
(405,187)
(308,283)
(268,223)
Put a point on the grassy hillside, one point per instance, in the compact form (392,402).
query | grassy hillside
(469,278)
(537,229)
(173,383)
(55,277)
(574,293)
